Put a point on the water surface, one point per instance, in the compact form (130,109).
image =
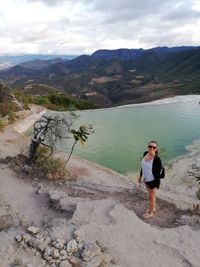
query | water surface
(121,134)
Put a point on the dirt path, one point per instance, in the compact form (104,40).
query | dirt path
(19,200)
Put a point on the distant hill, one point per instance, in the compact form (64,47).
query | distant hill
(9,60)
(115,77)
(118,53)
(128,54)
(38,64)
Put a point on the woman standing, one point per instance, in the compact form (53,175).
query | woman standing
(151,166)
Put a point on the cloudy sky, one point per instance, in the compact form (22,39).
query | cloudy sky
(84,26)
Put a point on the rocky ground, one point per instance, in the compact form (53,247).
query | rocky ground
(95,219)
(77,223)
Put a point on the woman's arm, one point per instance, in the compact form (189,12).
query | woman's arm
(140,176)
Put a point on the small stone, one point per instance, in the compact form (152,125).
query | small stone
(56,254)
(48,254)
(33,242)
(96,262)
(79,235)
(42,243)
(3,167)
(40,189)
(58,243)
(18,238)
(26,237)
(27,169)
(33,230)
(75,261)
(90,251)
(63,255)
(65,264)
(72,246)
(52,262)
(56,195)
(80,246)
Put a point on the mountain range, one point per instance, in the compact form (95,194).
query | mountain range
(7,61)
(113,77)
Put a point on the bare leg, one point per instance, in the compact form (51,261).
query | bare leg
(152,202)
(152,199)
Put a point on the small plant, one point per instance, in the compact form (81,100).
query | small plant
(198,191)
(81,135)
(23,98)
(52,168)
(12,116)
(2,124)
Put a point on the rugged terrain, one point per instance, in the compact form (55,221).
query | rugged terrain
(95,218)
(114,77)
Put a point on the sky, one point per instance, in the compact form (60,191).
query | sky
(74,27)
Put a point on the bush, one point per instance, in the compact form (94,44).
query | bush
(2,124)
(198,193)
(7,110)
(52,168)
(41,100)
(12,116)
(23,98)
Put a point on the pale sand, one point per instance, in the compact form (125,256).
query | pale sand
(129,240)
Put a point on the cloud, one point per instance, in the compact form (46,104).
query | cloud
(48,2)
(184,13)
(82,26)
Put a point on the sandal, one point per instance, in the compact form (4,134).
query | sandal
(148,215)
(148,211)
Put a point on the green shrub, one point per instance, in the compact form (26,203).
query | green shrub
(2,124)
(23,98)
(6,108)
(41,100)
(198,193)
(52,168)
(12,116)
(54,101)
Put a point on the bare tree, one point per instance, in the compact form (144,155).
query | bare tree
(48,130)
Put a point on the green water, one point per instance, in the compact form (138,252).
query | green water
(121,134)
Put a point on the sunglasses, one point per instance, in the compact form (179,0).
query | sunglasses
(154,147)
